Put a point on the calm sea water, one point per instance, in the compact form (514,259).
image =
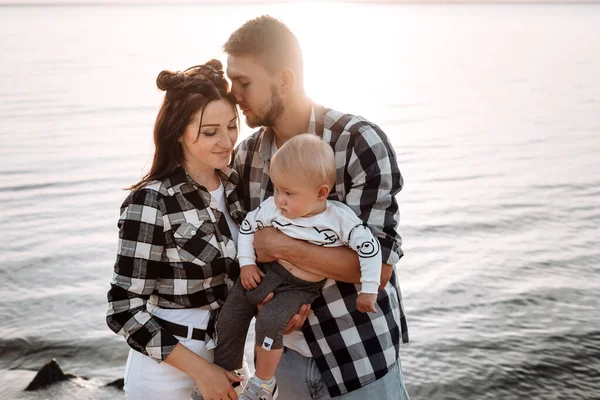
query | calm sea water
(494,112)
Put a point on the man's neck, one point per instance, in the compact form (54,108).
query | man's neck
(294,121)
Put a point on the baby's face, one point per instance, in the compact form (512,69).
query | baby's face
(296,196)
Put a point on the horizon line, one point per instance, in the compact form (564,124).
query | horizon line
(95,3)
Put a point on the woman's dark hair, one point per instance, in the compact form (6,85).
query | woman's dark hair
(187,92)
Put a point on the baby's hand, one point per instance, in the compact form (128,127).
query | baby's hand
(365,302)
(250,276)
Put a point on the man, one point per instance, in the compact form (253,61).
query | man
(339,351)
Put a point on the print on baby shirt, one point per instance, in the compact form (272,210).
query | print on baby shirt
(338,225)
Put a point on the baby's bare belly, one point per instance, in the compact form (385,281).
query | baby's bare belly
(300,273)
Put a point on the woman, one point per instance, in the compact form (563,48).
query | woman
(177,231)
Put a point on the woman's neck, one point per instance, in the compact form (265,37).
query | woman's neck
(206,177)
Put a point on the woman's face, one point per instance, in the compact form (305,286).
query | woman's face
(210,148)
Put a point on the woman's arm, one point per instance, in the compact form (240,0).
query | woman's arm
(136,273)
(338,263)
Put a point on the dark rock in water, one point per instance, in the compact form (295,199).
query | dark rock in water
(50,374)
(119,383)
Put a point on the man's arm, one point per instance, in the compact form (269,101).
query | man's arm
(338,263)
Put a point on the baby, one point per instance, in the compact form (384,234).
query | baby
(303,173)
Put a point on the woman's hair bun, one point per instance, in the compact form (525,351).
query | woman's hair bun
(168,80)
(216,64)
(211,71)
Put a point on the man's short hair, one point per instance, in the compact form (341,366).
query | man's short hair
(269,41)
(308,156)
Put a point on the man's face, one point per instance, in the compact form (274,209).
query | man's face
(255,90)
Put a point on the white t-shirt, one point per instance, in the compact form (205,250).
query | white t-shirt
(219,196)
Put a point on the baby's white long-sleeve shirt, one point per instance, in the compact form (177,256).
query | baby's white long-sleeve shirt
(336,226)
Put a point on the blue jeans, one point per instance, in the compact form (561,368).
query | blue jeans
(299,378)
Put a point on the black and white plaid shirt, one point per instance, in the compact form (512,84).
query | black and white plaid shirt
(175,251)
(351,349)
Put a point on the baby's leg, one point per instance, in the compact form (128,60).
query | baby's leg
(232,327)
(271,322)
(268,284)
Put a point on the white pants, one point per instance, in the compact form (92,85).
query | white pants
(146,379)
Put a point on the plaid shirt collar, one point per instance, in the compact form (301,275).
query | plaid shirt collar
(180,181)
(180,178)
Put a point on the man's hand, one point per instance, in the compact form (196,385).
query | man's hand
(269,243)
(365,302)
(250,276)
(296,321)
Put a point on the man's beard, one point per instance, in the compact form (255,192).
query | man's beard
(270,114)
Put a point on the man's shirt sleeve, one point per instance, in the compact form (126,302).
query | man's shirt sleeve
(376,180)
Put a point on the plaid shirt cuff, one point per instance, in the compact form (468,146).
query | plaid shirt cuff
(159,346)
(391,252)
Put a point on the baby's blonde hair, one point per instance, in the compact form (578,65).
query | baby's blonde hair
(308,156)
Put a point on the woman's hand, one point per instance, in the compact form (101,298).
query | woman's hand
(250,276)
(214,383)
